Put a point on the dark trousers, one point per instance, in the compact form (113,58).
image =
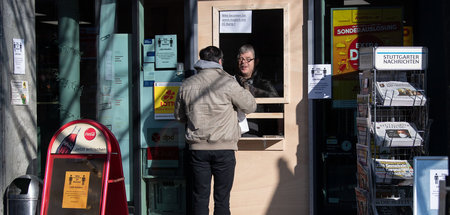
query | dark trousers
(206,164)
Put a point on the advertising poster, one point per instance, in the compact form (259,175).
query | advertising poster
(356,28)
(80,138)
(164,100)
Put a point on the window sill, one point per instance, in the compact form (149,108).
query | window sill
(265,143)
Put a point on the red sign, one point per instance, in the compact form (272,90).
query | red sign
(84,172)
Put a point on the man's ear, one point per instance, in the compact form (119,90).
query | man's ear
(220,61)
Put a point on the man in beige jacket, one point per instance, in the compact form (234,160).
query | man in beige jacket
(208,102)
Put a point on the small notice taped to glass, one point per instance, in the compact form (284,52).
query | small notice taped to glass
(236,21)
(319,81)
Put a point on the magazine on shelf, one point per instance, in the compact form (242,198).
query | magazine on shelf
(363,126)
(363,102)
(363,177)
(397,172)
(363,155)
(396,134)
(362,201)
(365,82)
(399,93)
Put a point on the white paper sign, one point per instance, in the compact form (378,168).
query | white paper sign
(319,81)
(19,93)
(436,175)
(236,21)
(19,56)
(165,51)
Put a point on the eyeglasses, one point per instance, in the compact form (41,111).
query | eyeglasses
(248,60)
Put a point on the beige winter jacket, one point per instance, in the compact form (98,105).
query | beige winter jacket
(207,103)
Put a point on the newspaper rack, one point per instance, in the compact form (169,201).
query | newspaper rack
(393,100)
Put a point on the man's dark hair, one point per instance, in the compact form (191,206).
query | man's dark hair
(211,53)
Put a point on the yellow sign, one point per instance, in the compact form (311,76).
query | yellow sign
(165,96)
(76,187)
(356,28)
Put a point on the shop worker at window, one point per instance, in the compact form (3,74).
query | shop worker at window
(250,78)
(207,102)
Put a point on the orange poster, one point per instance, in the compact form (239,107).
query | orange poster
(76,187)
(356,28)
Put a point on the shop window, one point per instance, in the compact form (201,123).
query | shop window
(265,29)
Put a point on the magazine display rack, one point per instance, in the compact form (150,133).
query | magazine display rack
(392,125)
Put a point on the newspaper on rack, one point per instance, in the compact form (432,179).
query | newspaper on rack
(362,201)
(393,210)
(364,129)
(363,105)
(397,134)
(396,172)
(363,155)
(399,93)
(365,82)
(363,176)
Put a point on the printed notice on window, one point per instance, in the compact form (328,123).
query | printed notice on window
(319,81)
(19,56)
(236,21)
(76,186)
(436,175)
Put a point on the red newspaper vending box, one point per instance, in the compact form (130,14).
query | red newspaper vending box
(84,172)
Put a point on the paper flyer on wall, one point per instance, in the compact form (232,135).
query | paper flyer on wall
(398,93)
(19,56)
(165,94)
(19,92)
(397,134)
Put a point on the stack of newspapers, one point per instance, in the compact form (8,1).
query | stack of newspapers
(399,172)
(399,93)
(397,134)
